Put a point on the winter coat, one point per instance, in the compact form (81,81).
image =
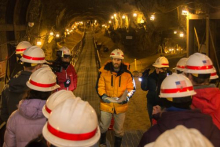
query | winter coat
(114,84)
(13,92)
(188,118)
(153,86)
(25,124)
(207,99)
(70,74)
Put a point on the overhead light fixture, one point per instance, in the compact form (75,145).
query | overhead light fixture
(181,34)
(112,17)
(175,32)
(152,17)
(123,17)
(109,21)
(39,43)
(135,15)
(185,12)
(115,15)
(30,24)
(57,35)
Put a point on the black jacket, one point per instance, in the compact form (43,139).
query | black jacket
(12,93)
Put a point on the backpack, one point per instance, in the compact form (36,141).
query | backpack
(144,79)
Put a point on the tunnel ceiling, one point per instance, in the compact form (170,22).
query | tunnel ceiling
(79,10)
(68,11)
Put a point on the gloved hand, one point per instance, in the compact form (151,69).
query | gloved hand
(67,83)
(104,99)
(125,101)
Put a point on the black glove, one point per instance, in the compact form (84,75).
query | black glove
(67,83)
(104,99)
(125,101)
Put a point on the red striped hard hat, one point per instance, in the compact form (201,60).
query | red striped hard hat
(73,123)
(199,63)
(161,62)
(117,53)
(55,99)
(65,51)
(33,54)
(181,64)
(22,46)
(176,85)
(42,79)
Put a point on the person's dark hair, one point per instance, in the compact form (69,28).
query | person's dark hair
(33,94)
(181,102)
(179,72)
(37,142)
(202,78)
(28,66)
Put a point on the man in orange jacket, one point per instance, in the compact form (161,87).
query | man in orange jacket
(115,87)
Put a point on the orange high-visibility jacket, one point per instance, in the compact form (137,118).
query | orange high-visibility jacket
(114,84)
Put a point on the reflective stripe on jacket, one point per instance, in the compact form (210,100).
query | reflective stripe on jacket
(114,84)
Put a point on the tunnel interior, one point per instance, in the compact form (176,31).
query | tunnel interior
(138,25)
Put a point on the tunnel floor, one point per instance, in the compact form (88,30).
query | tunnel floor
(87,75)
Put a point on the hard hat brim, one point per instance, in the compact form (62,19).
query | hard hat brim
(208,71)
(159,66)
(176,95)
(45,113)
(214,77)
(41,88)
(33,61)
(67,143)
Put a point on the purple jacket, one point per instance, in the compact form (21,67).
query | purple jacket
(25,124)
(188,118)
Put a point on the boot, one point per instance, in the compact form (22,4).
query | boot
(102,140)
(118,141)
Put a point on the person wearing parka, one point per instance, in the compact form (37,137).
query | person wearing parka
(12,93)
(188,118)
(67,73)
(207,100)
(114,81)
(114,84)
(176,91)
(27,122)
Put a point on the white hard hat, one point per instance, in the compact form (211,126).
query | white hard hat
(55,99)
(181,64)
(22,46)
(199,63)
(65,51)
(73,123)
(117,53)
(33,54)
(46,66)
(176,85)
(42,79)
(161,62)
(213,74)
(181,137)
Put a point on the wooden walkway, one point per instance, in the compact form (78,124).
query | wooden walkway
(87,75)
